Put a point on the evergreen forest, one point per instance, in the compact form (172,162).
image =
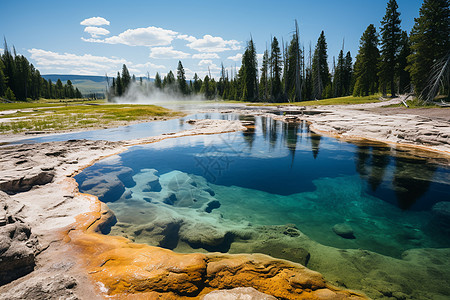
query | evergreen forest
(389,61)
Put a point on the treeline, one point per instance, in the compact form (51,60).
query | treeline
(169,83)
(20,80)
(390,62)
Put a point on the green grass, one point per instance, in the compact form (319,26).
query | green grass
(50,117)
(46,103)
(332,101)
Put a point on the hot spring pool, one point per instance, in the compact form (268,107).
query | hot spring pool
(282,190)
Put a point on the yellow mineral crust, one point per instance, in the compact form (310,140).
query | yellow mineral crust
(123,269)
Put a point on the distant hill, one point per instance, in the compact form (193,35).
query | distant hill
(64,78)
(85,83)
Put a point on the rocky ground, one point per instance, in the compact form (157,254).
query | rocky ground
(50,247)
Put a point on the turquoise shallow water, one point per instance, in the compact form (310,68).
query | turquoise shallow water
(277,173)
(367,216)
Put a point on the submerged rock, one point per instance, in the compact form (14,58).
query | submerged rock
(108,183)
(170,199)
(344,230)
(442,210)
(212,205)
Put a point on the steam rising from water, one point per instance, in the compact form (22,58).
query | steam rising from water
(148,93)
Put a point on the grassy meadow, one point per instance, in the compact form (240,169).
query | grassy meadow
(58,116)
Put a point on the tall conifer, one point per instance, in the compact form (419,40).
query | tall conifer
(390,45)
(320,70)
(404,79)
(126,78)
(366,65)
(275,65)
(181,78)
(158,82)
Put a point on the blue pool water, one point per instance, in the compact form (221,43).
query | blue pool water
(129,132)
(389,197)
(366,215)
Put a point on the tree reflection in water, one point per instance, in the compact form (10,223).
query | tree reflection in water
(249,134)
(411,176)
(409,184)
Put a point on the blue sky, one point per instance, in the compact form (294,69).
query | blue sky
(97,37)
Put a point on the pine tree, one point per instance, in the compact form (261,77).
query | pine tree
(2,79)
(275,65)
(126,78)
(347,76)
(212,88)
(78,94)
(51,90)
(404,79)
(9,94)
(70,90)
(339,73)
(366,65)
(292,69)
(8,61)
(36,83)
(59,89)
(221,83)
(181,78)
(21,76)
(249,73)
(169,80)
(264,81)
(390,44)
(430,42)
(197,84)
(119,85)
(206,89)
(158,82)
(320,71)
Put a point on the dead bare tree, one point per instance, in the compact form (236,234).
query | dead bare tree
(297,67)
(440,77)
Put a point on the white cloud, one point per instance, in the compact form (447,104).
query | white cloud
(205,62)
(208,66)
(259,56)
(96,31)
(95,21)
(149,65)
(167,52)
(237,57)
(1,51)
(91,40)
(150,36)
(205,56)
(213,44)
(76,64)
(186,37)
